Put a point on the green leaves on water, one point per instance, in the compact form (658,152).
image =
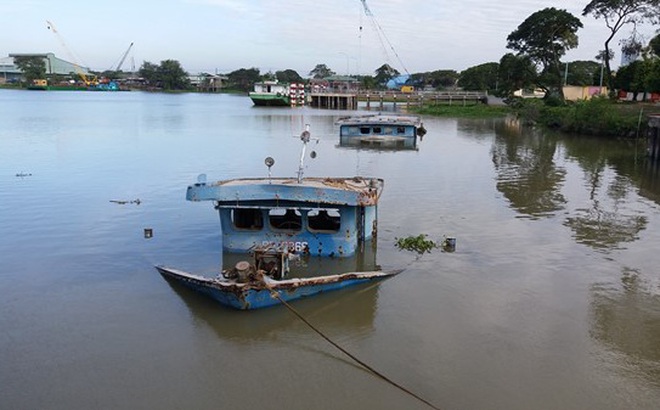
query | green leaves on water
(419,244)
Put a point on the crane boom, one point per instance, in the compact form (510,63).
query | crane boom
(83,76)
(380,33)
(121,62)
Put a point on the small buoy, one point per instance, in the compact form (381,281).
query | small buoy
(148,233)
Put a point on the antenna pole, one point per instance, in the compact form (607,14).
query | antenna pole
(304,137)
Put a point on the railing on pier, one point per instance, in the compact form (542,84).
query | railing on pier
(342,99)
(423,97)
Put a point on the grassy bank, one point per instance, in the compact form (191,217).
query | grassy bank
(598,116)
(467,111)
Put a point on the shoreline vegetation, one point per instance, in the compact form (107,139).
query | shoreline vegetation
(598,116)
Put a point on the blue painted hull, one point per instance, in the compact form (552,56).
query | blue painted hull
(256,295)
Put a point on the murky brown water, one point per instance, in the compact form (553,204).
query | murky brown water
(551,300)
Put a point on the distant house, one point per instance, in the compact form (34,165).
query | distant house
(9,72)
(208,82)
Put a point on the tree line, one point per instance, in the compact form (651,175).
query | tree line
(537,46)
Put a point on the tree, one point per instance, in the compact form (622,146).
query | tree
(32,67)
(515,73)
(439,79)
(385,73)
(479,78)
(243,79)
(321,71)
(288,76)
(654,45)
(169,75)
(583,73)
(631,78)
(544,37)
(149,72)
(368,82)
(173,76)
(618,13)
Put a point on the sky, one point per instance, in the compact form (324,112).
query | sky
(220,36)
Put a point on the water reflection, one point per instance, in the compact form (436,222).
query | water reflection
(526,171)
(610,219)
(649,182)
(625,318)
(603,229)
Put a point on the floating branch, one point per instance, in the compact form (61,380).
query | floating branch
(137,202)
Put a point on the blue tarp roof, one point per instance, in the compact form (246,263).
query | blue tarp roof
(398,81)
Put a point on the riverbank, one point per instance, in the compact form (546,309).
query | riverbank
(598,116)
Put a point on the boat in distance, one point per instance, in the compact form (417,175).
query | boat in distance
(259,285)
(385,131)
(275,94)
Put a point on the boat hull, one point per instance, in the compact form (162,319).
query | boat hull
(270,100)
(257,295)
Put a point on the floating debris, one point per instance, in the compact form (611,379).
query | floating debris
(419,244)
(136,202)
(422,245)
(449,244)
(23,175)
(148,233)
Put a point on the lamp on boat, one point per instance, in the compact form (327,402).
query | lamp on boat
(269,161)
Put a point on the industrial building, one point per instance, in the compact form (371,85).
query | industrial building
(9,72)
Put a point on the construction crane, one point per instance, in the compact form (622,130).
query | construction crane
(123,58)
(88,79)
(380,33)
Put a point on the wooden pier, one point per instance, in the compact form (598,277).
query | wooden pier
(653,147)
(334,101)
(349,101)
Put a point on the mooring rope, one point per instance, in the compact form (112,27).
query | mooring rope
(347,353)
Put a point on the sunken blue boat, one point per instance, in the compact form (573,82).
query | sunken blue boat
(279,219)
(324,216)
(259,285)
(381,131)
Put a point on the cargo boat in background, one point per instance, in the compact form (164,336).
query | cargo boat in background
(275,94)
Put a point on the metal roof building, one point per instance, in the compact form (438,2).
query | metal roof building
(54,65)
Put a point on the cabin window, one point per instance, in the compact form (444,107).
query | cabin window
(400,130)
(365,130)
(324,220)
(378,130)
(289,219)
(352,130)
(388,131)
(251,219)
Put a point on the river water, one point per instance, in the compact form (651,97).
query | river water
(550,301)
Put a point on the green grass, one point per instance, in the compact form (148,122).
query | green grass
(461,111)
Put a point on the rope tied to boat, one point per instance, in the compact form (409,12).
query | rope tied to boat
(369,368)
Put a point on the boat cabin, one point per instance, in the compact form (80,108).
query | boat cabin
(316,216)
(271,87)
(401,126)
